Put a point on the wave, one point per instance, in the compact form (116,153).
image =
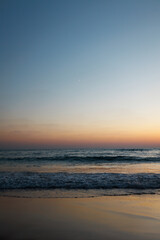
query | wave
(81,155)
(86,159)
(35,180)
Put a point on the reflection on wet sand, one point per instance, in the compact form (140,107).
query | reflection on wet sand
(113,218)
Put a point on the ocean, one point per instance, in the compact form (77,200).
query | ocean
(76,173)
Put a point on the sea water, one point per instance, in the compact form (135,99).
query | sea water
(79,172)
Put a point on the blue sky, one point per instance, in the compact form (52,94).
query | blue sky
(80,65)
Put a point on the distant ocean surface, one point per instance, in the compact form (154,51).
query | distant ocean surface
(79,172)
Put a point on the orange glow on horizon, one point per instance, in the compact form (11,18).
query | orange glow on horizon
(80,137)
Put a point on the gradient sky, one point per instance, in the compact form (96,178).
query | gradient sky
(79,73)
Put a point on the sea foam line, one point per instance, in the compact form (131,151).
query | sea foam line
(34,180)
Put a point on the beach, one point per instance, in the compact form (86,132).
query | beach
(80,120)
(108,217)
(82,194)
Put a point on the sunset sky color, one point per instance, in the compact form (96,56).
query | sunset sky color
(79,73)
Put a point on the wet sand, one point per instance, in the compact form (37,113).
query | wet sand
(109,218)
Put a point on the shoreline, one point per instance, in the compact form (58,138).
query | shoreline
(75,193)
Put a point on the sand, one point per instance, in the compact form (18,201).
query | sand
(109,218)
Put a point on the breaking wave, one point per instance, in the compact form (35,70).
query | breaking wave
(34,180)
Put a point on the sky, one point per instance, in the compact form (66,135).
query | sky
(79,73)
